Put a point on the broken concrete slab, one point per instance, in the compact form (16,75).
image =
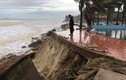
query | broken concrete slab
(109,75)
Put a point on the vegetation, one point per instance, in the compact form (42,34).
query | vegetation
(89,70)
(103,7)
(88,11)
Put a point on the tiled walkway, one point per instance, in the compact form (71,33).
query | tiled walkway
(105,45)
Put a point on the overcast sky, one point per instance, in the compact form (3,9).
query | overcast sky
(37,8)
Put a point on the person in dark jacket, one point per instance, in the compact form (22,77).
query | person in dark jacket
(71,24)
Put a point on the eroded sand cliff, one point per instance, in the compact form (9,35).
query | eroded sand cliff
(58,59)
(54,59)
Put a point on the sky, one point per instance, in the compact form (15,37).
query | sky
(37,9)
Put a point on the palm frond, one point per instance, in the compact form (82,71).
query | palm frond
(96,3)
(90,11)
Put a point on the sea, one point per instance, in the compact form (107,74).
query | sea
(17,33)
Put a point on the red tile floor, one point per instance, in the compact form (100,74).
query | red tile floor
(105,45)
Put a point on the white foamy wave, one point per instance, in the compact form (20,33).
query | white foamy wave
(15,34)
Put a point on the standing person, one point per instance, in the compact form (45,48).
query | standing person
(71,24)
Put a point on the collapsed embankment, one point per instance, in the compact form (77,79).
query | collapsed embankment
(55,59)
(59,59)
(18,68)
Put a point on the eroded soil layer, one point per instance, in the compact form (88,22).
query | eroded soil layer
(59,59)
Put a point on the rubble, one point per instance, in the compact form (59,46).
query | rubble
(109,75)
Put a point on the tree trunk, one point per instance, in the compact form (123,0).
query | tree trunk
(98,18)
(81,4)
(81,12)
(117,21)
(108,17)
(123,17)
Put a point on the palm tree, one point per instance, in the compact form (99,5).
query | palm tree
(97,6)
(110,8)
(81,4)
(124,9)
(119,5)
(89,10)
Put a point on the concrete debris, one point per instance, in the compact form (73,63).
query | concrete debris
(109,75)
